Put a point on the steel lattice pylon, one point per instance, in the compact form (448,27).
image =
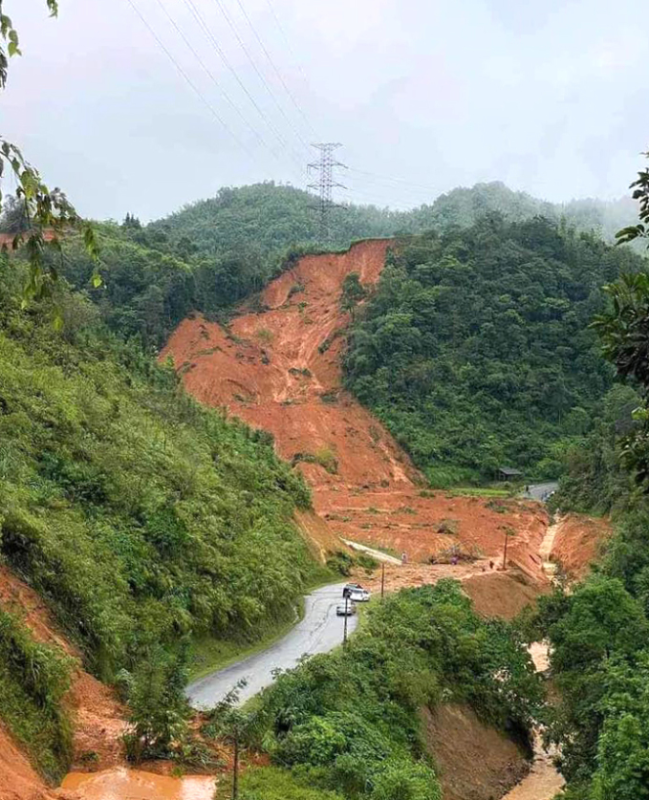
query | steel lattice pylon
(326,182)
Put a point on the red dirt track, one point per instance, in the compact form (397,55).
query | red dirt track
(269,369)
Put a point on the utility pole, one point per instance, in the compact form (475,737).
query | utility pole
(505,550)
(382,579)
(325,183)
(346,594)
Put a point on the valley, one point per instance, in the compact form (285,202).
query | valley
(310,479)
(290,344)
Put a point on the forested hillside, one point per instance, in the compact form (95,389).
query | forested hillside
(268,218)
(214,253)
(475,349)
(463,207)
(599,629)
(143,519)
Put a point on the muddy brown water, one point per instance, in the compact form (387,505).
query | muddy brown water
(121,783)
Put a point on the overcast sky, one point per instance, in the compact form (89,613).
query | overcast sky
(548,96)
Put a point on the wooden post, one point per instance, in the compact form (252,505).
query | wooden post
(235,773)
(505,550)
(382,579)
(345,629)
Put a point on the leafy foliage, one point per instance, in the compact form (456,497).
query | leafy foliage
(348,721)
(159,710)
(593,479)
(475,348)
(46,214)
(271,783)
(599,632)
(33,681)
(639,231)
(138,515)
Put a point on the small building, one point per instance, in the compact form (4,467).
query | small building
(509,474)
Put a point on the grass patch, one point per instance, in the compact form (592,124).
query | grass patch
(264,335)
(479,491)
(271,783)
(208,654)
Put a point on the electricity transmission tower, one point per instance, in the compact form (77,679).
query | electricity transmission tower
(326,182)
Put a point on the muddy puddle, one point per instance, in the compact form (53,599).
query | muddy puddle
(120,783)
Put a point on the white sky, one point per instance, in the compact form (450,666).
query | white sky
(547,96)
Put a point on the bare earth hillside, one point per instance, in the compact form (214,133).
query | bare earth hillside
(279,369)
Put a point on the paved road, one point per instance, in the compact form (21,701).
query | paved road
(538,491)
(320,631)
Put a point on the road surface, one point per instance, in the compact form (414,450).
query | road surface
(320,631)
(539,491)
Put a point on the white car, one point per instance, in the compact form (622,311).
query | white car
(345,610)
(356,594)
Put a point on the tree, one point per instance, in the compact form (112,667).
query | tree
(159,709)
(48,213)
(640,230)
(238,727)
(352,293)
(14,217)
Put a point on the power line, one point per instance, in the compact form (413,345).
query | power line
(211,76)
(280,27)
(189,81)
(260,75)
(395,180)
(388,195)
(206,30)
(275,69)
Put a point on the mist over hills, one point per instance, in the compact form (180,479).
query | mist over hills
(275,216)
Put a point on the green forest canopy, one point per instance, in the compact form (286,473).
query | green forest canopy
(475,348)
(214,253)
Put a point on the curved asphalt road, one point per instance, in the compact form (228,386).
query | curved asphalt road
(320,631)
(539,491)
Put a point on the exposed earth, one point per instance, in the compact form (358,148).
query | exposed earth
(278,368)
(577,542)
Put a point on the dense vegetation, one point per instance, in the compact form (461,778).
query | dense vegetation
(141,517)
(33,681)
(269,218)
(217,252)
(349,722)
(599,632)
(475,348)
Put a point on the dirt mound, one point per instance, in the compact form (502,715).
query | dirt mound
(98,718)
(502,594)
(407,520)
(473,761)
(577,542)
(278,368)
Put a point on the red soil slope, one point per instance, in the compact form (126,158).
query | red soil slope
(279,368)
(98,718)
(577,543)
